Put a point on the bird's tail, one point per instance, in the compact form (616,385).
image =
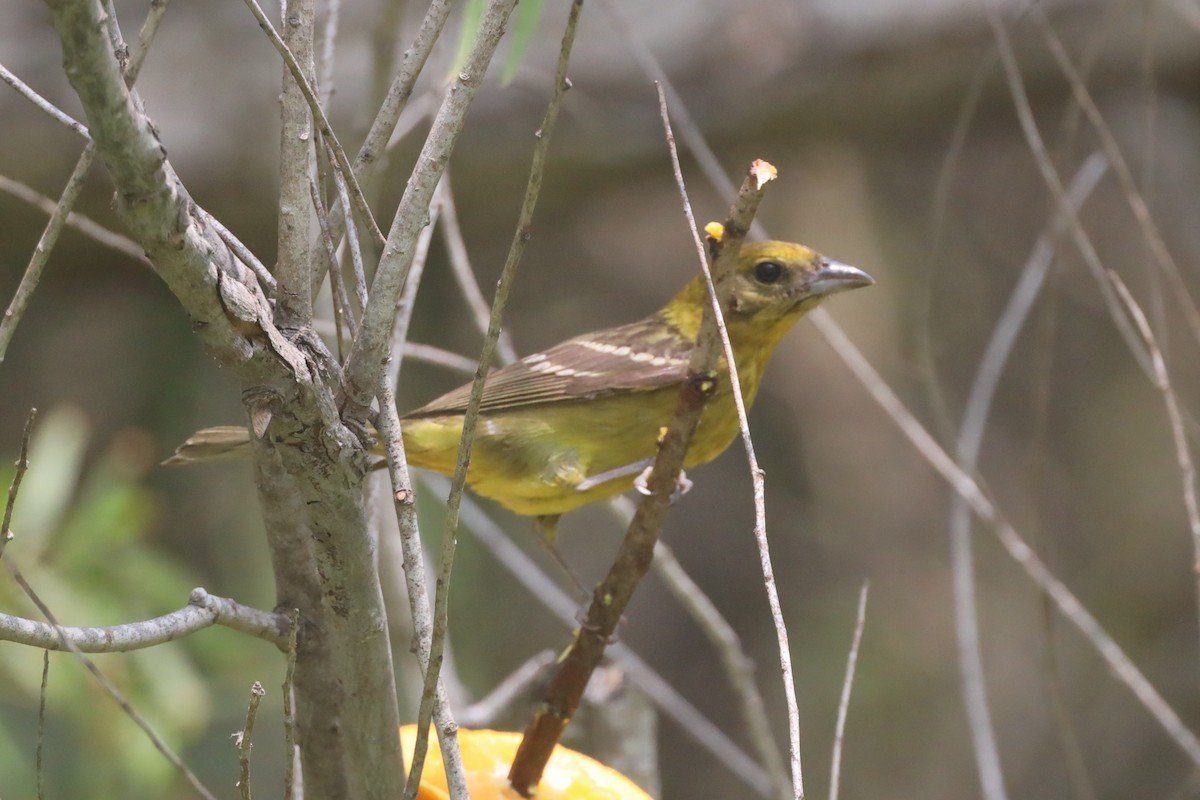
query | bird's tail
(222,443)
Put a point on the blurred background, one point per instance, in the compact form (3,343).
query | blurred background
(899,151)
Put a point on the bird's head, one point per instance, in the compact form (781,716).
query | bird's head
(774,285)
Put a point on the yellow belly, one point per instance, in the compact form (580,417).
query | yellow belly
(532,460)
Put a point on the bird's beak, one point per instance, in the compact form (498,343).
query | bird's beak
(834,276)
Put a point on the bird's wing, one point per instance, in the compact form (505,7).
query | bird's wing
(640,356)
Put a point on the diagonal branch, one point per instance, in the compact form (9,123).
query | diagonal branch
(366,360)
(613,594)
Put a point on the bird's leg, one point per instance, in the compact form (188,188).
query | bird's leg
(546,528)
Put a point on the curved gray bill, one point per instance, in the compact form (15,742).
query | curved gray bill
(834,276)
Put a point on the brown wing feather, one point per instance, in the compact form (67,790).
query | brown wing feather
(640,356)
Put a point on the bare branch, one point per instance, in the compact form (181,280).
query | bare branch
(6,533)
(293,300)
(835,772)
(41,253)
(83,224)
(1183,453)
(54,111)
(245,740)
(969,442)
(633,558)
(464,276)
(566,610)
(367,357)
(762,175)
(202,611)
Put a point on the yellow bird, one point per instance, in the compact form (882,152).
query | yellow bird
(581,421)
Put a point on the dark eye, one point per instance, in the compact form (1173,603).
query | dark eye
(768,271)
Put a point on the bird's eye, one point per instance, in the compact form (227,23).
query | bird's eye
(768,271)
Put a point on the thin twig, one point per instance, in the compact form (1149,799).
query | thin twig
(337,287)
(756,474)
(739,667)
(1124,175)
(45,246)
(401,347)
(565,609)
(333,15)
(41,726)
(22,467)
(969,443)
(411,64)
(366,360)
(84,224)
(356,256)
(633,558)
(289,708)
(45,105)
(839,736)
(418,601)
(965,485)
(343,164)
(471,414)
(507,693)
(245,740)
(464,275)
(108,686)
(1183,453)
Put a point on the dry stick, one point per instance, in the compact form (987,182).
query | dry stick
(45,246)
(757,477)
(740,669)
(366,362)
(333,15)
(407,304)
(835,771)
(410,535)
(289,708)
(49,238)
(464,275)
(202,611)
(1137,203)
(293,301)
(505,695)
(80,222)
(969,443)
(245,740)
(240,250)
(22,466)
(959,481)
(566,609)
(1183,454)
(633,558)
(41,728)
(163,748)
(411,65)
(516,250)
(418,600)
(965,485)
(439,356)
(326,130)
(45,105)
(356,256)
(366,162)
(337,287)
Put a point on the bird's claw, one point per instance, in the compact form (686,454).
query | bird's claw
(683,484)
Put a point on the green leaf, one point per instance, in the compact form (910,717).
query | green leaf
(472,16)
(529,14)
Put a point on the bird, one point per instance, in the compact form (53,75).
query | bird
(581,421)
